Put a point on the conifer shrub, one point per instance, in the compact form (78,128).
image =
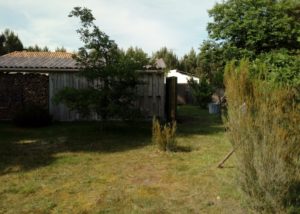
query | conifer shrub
(201,91)
(263,123)
(164,136)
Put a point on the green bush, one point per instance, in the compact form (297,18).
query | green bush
(32,116)
(201,91)
(280,67)
(164,136)
(263,122)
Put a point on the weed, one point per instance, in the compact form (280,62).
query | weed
(164,136)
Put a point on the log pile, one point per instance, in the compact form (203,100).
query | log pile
(18,90)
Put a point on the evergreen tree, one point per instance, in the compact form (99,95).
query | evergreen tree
(189,62)
(9,42)
(168,56)
(37,48)
(138,55)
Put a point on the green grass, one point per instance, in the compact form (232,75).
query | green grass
(83,168)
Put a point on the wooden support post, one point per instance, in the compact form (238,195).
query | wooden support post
(171,99)
(221,164)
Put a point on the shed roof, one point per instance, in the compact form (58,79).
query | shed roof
(38,61)
(43,62)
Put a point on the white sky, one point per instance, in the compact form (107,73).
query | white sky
(149,24)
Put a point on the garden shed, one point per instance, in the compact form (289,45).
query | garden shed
(35,77)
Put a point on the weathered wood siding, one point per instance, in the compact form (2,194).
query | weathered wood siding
(151,95)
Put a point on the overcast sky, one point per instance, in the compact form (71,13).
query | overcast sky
(149,24)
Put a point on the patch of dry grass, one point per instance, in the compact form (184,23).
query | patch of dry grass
(77,168)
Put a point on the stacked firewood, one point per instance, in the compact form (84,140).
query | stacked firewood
(19,90)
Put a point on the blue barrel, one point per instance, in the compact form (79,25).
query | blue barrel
(213,108)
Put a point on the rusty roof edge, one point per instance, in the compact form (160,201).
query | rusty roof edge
(151,71)
(53,70)
(41,70)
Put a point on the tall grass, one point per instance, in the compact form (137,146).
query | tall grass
(164,136)
(264,127)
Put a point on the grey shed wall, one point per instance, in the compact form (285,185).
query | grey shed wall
(151,95)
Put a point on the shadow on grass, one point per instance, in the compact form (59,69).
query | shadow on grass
(194,120)
(183,149)
(25,149)
(292,200)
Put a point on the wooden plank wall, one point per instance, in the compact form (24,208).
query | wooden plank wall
(58,81)
(151,95)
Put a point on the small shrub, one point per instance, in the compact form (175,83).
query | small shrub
(32,116)
(164,136)
(201,91)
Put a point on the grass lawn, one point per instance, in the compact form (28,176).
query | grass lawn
(81,168)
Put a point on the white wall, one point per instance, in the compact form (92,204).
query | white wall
(181,78)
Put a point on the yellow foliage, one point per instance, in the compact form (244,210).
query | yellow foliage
(164,136)
(263,122)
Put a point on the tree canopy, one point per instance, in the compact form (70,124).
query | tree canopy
(9,42)
(138,55)
(60,49)
(256,25)
(37,48)
(101,62)
(189,62)
(168,56)
(251,29)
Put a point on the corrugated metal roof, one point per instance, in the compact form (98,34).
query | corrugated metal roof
(38,61)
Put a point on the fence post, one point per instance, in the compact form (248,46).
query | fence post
(171,99)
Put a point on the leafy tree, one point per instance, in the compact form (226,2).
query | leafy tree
(280,68)
(168,56)
(111,74)
(257,26)
(9,42)
(213,57)
(249,29)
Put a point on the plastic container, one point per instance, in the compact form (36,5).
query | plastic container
(213,108)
